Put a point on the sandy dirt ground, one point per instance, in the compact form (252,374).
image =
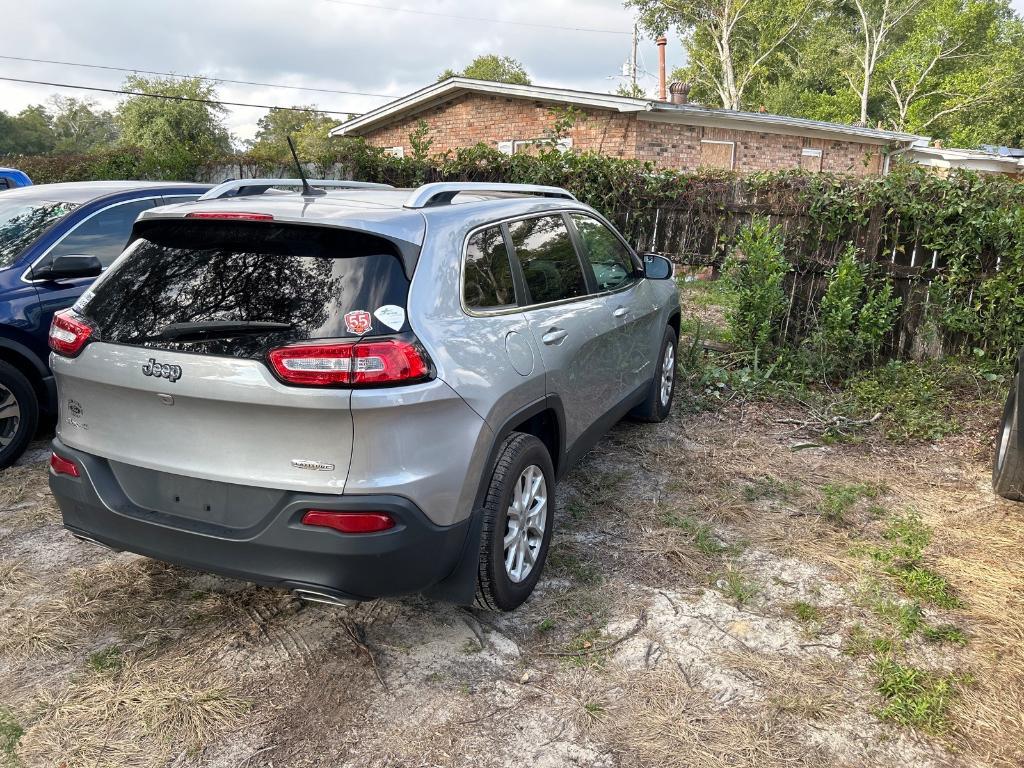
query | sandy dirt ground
(714,596)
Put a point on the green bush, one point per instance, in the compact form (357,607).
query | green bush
(755,271)
(853,320)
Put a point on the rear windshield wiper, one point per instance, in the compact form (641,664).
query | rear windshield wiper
(204,329)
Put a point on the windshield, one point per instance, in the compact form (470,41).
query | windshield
(21,223)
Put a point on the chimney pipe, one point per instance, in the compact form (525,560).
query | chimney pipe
(662,42)
(679,92)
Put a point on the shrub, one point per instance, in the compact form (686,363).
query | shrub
(755,271)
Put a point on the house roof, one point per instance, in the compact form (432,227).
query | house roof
(973,159)
(690,114)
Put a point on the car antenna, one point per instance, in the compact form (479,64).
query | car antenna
(307,190)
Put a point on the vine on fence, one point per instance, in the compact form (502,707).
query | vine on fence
(955,245)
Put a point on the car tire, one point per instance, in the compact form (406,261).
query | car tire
(18,400)
(501,585)
(658,404)
(1008,462)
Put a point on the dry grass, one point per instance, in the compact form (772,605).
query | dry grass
(134,718)
(127,594)
(660,720)
(811,688)
(19,484)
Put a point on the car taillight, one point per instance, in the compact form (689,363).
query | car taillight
(366,362)
(62,466)
(68,333)
(349,522)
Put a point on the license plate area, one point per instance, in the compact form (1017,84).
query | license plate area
(228,505)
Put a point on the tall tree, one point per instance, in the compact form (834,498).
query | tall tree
(78,127)
(878,24)
(497,69)
(178,134)
(731,43)
(956,55)
(30,132)
(274,128)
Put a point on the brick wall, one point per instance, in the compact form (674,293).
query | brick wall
(473,118)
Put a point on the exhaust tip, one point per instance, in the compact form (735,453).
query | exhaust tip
(314,596)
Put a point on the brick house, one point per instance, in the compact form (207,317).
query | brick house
(515,118)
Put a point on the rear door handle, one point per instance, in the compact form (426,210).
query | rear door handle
(621,312)
(554,335)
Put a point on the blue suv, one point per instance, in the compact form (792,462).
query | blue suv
(54,240)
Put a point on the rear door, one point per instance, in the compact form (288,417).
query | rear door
(572,328)
(177,377)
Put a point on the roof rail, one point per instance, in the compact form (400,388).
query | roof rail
(442,192)
(247,187)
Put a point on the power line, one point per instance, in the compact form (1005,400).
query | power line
(197,77)
(168,97)
(486,19)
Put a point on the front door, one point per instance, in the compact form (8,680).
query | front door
(572,328)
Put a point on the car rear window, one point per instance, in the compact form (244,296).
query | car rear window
(288,283)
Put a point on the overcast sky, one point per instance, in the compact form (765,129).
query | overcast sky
(349,45)
(334,44)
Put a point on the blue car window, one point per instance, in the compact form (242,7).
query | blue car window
(105,235)
(21,224)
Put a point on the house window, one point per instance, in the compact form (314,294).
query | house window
(810,160)
(717,154)
(394,151)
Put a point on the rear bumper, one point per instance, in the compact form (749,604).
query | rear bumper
(280,551)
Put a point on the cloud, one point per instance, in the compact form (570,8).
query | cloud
(313,43)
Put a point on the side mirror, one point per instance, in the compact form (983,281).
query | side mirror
(657,267)
(68,267)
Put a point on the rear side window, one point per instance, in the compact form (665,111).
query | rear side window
(237,289)
(488,272)
(608,257)
(104,235)
(550,266)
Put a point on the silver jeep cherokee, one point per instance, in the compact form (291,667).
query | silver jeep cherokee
(356,393)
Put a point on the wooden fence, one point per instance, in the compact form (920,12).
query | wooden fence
(701,234)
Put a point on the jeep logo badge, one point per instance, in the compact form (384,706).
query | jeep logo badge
(161,370)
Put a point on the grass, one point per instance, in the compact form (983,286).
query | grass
(737,587)
(141,715)
(702,535)
(804,612)
(914,697)
(768,487)
(546,625)
(916,400)
(946,633)
(905,618)
(583,572)
(906,537)
(837,499)
(109,659)
(10,734)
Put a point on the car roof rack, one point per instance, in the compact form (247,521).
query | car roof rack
(442,192)
(248,187)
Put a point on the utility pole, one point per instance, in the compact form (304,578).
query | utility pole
(633,68)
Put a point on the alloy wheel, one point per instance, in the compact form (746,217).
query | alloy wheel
(527,517)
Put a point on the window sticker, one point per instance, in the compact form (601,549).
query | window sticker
(358,321)
(392,316)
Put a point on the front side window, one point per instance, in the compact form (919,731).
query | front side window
(488,277)
(545,252)
(105,235)
(21,224)
(608,257)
